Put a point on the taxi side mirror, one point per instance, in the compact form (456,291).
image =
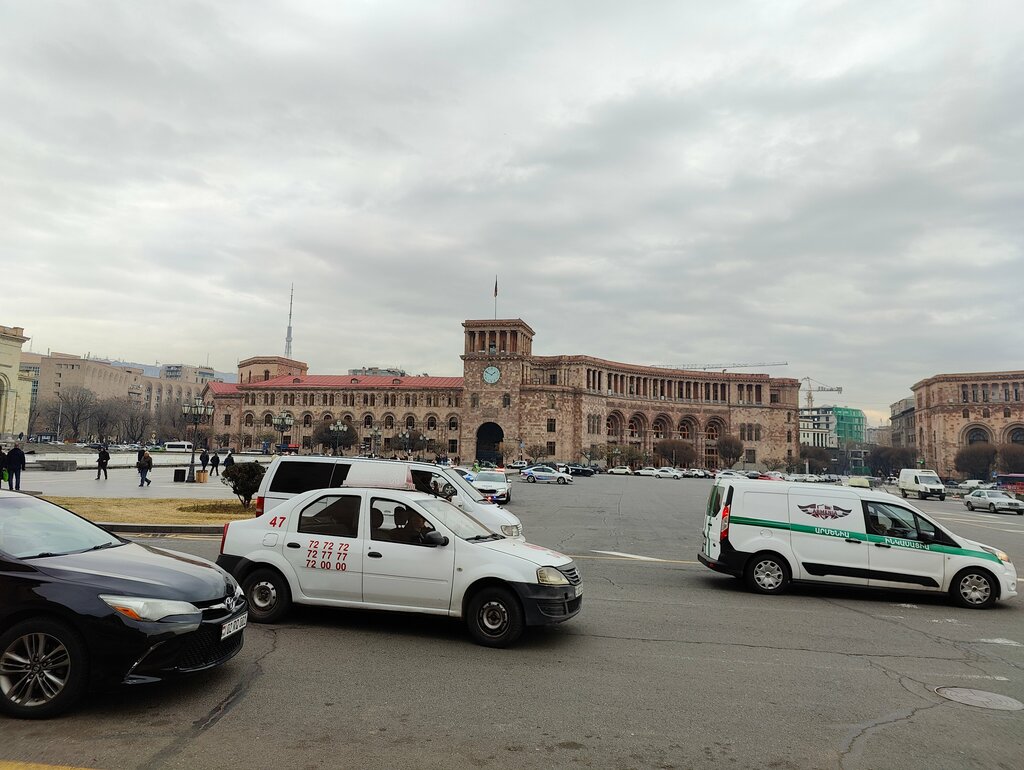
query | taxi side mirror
(434,538)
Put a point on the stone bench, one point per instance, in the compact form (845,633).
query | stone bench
(57,465)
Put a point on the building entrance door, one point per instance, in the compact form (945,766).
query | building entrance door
(488,437)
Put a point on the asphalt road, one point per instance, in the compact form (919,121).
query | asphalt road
(669,665)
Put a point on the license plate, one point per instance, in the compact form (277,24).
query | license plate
(233,626)
(579,591)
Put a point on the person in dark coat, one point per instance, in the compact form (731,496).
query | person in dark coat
(215,463)
(229,460)
(15,465)
(101,463)
(204,459)
(145,466)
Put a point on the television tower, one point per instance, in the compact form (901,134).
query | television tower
(288,338)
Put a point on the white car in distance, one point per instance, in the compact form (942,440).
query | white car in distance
(668,473)
(493,485)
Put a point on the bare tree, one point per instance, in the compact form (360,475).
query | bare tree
(676,451)
(38,416)
(75,405)
(537,451)
(135,421)
(774,463)
(106,418)
(1011,458)
(730,449)
(976,460)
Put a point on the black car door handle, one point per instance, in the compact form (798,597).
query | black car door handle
(294,545)
(851,540)
(374,555)
(882,545)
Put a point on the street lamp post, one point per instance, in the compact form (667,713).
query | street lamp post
(283,422)
(338,429)
(195,412)
(404,437)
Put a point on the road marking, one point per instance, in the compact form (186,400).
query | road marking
(629,556)
(1007,642)
(5,765)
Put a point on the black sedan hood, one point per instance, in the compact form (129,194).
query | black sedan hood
(139,570)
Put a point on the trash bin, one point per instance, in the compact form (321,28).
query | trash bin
(202,476)
(179,474)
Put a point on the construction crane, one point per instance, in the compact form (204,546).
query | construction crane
(723,367)
(822,388)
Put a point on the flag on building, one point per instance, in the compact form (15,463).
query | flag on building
(495,286)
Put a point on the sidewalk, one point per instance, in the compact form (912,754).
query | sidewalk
(121,482)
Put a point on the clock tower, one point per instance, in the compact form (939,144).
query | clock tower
(494,366)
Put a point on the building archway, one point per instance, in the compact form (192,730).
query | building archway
(488,436)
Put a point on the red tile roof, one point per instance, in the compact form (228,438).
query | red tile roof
(222,388)
(355,381)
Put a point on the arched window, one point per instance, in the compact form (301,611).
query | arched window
(684,431)
(410,422)
(453,423)
(268,421)
(368,421)
(307,421)
(431,423)
(266,375)
(712,432)
(757,432)
(985,413)
(977,436)
(506,401)
(1017,436)
(474,400)
(389,422)
(1006,411)
(248,421)
(967,414)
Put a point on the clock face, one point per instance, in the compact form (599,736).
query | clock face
(492,374)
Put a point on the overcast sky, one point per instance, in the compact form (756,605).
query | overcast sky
(835,185)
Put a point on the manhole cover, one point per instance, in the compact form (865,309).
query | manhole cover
(980,698)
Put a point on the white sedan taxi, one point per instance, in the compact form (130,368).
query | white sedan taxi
(397,550)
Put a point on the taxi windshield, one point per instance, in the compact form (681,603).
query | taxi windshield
(461,524)
(31,528)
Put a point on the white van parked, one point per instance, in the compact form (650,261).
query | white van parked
(178,446)
(405,551)
(923,483)
(771,534)
(288,476)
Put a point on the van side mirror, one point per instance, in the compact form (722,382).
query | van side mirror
(434,538)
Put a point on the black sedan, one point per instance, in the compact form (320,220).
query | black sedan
(81,608)
(580,470)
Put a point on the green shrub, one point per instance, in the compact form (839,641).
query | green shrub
(244,480)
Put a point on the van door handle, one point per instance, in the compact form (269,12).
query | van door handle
(294,545)
(882,545)
(374,555)
(851,540)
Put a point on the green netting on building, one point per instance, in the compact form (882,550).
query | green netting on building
(850,424)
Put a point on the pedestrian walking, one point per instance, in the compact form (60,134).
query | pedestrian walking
(215,463)
(101,463)
(204,459)
(15,465)
(145,466)
(229,460)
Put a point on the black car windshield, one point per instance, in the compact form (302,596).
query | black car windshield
(31,528)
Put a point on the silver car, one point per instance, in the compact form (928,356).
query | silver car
(993,500)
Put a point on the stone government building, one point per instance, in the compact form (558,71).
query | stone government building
(508,396)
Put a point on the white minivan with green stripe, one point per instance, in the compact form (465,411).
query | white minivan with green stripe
(770,533)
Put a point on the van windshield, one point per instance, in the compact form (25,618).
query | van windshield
(929,478)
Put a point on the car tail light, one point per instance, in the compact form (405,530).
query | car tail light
(224,536)
(725,524)
(259,505)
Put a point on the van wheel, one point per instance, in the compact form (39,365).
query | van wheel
(920,495)
(767,573)
(942,498)
(904,493)
(268,594)
(974,588)
(494,617)
(43,669)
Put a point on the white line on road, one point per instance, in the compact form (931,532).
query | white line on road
(628,555)
(1008,642)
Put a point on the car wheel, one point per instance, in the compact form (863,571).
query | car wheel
(970,506)
(974,588)
(532,479)
(494,617)
(268,594)
(767,573)
(992,507)
(43,669)
(560,481)
(508,498)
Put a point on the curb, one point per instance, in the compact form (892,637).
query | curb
(167,529)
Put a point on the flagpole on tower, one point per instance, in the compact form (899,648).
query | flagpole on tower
(495,297)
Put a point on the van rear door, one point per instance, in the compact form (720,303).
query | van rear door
(714,521)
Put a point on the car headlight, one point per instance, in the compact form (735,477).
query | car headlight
(1001,555)
(549,576)
(149,609)
(511,530)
